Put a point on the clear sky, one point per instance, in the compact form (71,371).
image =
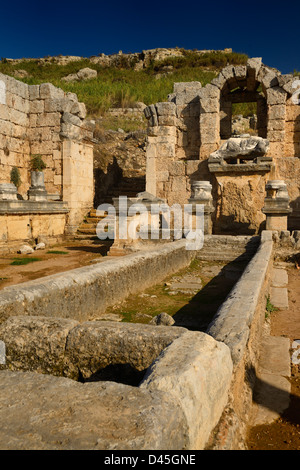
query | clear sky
(266,29)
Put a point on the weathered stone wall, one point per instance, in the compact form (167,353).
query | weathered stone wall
(28,226)
(44,120)
(186,130)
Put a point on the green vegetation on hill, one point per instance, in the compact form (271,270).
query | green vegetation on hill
(122,87)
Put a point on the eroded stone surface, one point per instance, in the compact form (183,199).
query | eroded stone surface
(41,412)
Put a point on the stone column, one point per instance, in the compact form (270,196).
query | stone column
(276,206)
(201,194)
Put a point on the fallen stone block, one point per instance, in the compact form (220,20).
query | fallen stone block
(25,250)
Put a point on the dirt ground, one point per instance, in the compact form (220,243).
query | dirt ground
(284,433)
(72,255)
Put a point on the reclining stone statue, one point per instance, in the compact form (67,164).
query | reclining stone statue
(244,147)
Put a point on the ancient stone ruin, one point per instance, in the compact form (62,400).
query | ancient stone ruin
(190,139)
(43,120)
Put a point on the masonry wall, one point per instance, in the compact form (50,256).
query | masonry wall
(38,119)
(186,130)
(14,124)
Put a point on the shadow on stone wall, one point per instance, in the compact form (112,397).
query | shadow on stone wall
(106,180)
(294,217)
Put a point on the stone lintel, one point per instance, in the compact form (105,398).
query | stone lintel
(33,207)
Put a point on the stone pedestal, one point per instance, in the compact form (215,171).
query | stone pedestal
(37,190)
(276,206)
(201,194)
(8,192)
(134,223)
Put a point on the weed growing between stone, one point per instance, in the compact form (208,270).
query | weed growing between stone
(269,307)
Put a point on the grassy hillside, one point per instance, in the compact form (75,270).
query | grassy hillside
(121,87)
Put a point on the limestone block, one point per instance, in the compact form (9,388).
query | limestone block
(44,148)
(276,95)
(167,120)
(58,180)
(48,119)
(96,416)
(229,76)
(219,81)
(162,176)
(181,87)
(269,80)
(47,90)
(192,167)
(25,250)
(197,370)
(178,185)
(94,345)
(240,71)
(162,131)
(37,106)
(176,168)
(275,136)
(18,228)
(40,246)
(276,125)
(69,118)
(209,105)
(209,92)
(71,131)
(276,149)
(289,83)
(207,149)
(18,117)
(182,138)
(34,92)
(166,150)
(17,102)
(15,87)
(209,128)
(293,113)
(276,111)
(49,226)
(165,109)
(81,111)
(162,318)
(36,343)
(254,64)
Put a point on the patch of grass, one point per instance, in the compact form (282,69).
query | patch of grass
(123,87)
(57,252)
(269,307)
(24,261)
(127,123)
(3,278)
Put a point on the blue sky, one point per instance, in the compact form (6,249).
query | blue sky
(260,29)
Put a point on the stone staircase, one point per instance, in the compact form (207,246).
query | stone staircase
(87,229)
(227,248)
(128,186)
